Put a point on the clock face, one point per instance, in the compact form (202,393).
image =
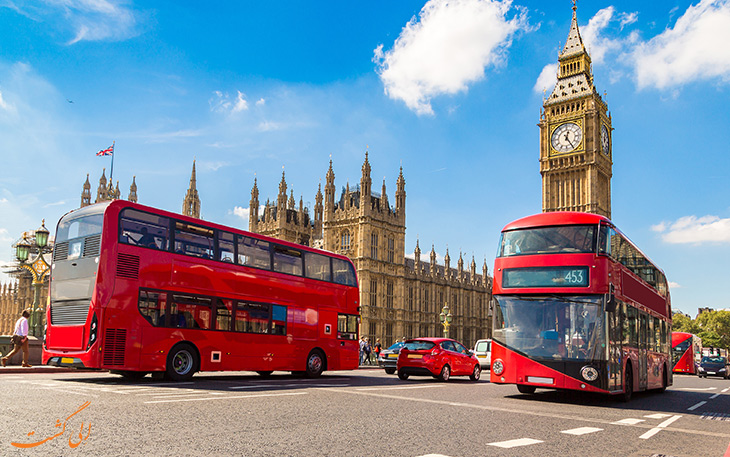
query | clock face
(566,137)
(604,139)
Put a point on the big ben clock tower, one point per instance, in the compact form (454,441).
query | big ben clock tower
(575,136)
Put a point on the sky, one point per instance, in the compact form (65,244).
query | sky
(449,91)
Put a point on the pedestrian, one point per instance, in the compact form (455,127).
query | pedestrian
(362,349)
(368,350)
(378,347)
(20,339)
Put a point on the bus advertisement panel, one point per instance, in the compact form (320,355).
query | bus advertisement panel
(136,290)
(577,306)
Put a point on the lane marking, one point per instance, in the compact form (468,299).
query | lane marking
(658,428)
(692,408)
(227,398)
(714,396)
(658,416)
(515,443)
(253,387)
(399,387)
(725,389)
(85,394)
(162,392)
(188,394)
(581,431)
(697,389)
(628,421)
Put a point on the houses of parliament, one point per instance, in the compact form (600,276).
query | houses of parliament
(402,296)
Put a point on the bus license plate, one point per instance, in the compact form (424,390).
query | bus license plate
(67,360)
(415,356)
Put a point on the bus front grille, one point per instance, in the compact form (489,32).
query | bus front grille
(114,343)
(70,312)
(127,266)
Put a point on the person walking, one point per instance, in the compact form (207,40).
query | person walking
(378,347)
(363,342)
(20,339)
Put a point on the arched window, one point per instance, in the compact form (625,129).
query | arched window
(345,241)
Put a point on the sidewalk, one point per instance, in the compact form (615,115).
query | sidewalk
(17,369)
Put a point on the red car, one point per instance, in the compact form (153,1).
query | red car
(437,357)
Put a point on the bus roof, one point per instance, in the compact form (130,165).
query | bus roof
(556,218)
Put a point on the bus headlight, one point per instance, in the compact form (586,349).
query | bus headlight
(92,332)
(589,373)
(498,367)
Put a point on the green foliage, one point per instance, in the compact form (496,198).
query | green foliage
(713,327)
(684,323)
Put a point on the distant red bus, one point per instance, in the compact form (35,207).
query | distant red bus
(686,352)
(136,290)
(577,306)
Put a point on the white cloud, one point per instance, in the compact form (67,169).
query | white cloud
(260,102)
(244,213)
(628,18)
(3,104)
(241,104)
(447,47)
(547,79)
(5,236)
(268,126)
(695,48)
(674,285)
(221,102)
(695,230)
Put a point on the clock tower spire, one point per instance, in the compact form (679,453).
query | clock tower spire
(576,157)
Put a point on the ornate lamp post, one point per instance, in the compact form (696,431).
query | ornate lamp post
(38,268)
(445,317)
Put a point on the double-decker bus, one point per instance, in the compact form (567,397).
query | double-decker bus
(136,290)
(686,352)
(578,306)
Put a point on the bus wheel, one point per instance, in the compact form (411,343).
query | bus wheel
(523,389)
(445,373)
(628,385)
(664,380)
(182,362)
(264,374)
(315,364)
(477,373)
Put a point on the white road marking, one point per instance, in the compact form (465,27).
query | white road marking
(253,387)
(581,431)
(227,398)
(187,394)
(433,455)
(162,392)
(628,421)
(85,394)
(692,408)
(725,389)
(714,396)
(658,416)
(697,389)
(659,428)
(400,387)
(515,443)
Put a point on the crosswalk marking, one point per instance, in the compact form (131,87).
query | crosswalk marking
(229,397)
(515,443)
(692,408)
(581,430)
(658,428)
(628,421)
(658,416)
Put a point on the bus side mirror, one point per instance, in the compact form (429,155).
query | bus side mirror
(610,300)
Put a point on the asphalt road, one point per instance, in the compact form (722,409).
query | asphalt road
(361,413)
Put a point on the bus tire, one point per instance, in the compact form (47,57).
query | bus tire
(445,373)
(182,362)
(315,364)
(523,389)
(628,384)
(664,380)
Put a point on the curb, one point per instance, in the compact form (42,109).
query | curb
(43,369)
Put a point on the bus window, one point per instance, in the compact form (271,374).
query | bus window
(253,252)
(287,260)
(278,320)
(318,266)
(152,307)
(79,227)
(605,235)
(347,326)
(144,229)
(226,247)
(252,318)
(190,312)
(343,273)
(223,313)
(193,240)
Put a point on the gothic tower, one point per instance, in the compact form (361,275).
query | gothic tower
(133,190)
(86,193)
(191,202)
(575,136)
(253,214)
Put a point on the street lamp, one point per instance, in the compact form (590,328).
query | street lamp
(38,268)
(445,317)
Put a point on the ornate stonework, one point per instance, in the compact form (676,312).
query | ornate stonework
(191,202)
(399,296)
(576,158)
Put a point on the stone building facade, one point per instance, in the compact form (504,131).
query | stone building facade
(106,192)
(576,157)
(399,296)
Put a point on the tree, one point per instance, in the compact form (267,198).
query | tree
(715,329)
(683,323)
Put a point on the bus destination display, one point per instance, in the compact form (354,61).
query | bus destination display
(545,277)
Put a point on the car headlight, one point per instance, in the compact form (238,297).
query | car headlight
(700,369)
(721,369)
(589,373)
(498,367)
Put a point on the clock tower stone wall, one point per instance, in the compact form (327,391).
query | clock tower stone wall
(575,136)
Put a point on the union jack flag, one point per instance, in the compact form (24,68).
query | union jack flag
(106,152)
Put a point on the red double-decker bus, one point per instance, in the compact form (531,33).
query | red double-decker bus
(136,290)
(686,352)
(578,306)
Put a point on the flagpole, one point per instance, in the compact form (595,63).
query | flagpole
(111,173)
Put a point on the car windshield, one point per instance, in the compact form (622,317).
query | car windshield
(713,360)
(548,240)
(396,346)
(419,345)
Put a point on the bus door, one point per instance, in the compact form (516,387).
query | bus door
(643,350)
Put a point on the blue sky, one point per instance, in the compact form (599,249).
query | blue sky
(449,91)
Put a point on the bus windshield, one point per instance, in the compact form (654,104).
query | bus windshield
(548,240)
(552,327)
(80,226)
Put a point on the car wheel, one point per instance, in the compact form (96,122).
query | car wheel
(445,373)
(476,374)
(523,389)
(402,375)
(315,364)
(182,363)
(390,370)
